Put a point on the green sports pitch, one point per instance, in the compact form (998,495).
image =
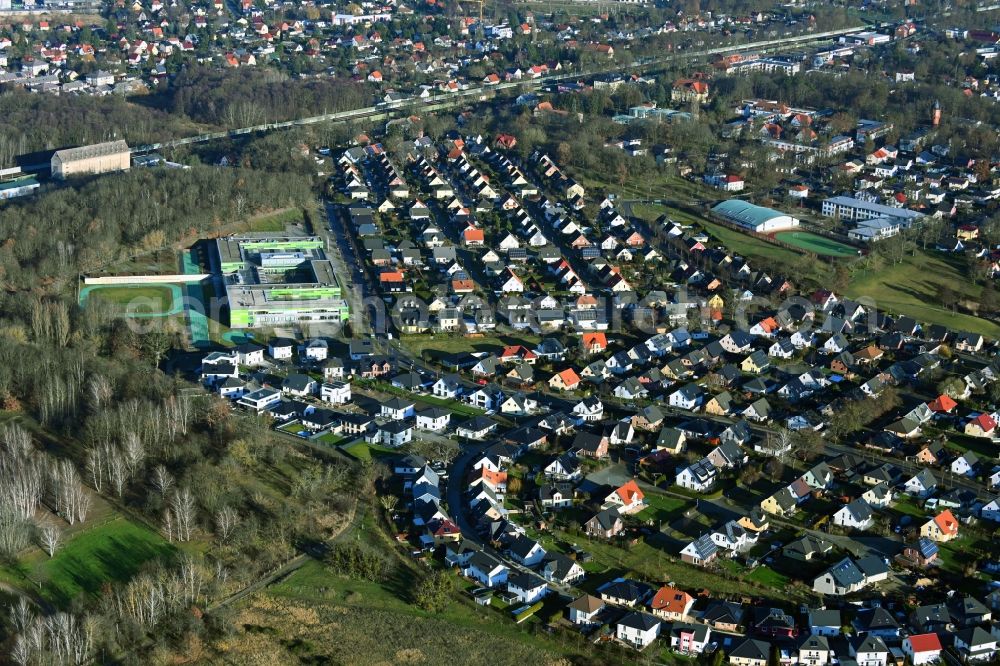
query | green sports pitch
(816,244)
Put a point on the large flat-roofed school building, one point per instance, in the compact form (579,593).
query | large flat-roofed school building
(274,280)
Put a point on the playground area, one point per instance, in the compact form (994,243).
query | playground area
(816,244)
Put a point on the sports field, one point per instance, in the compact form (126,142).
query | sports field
(816,244)
(138,300)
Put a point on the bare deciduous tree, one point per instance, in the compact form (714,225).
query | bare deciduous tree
(99,392)
(388,502)
(22,616)
(68,494)
(49,537)
(117,472)
(13,532)
(162,480)
(182,506)
(60,638)
(226,520)
(133,453)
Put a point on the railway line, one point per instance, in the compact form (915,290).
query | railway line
(388,110)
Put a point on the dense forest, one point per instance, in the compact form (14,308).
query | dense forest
(85,226)
(30,122)
(92,421)
(245,97)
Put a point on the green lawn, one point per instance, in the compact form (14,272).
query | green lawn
(330,438)
(662,508)
(112,552)
(768,577)
(440,344)
(912,288)
(362,450)
(905,505)
(292,428)
(817,244)
(955,555)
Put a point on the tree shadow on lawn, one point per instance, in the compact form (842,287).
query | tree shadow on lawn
(117,560)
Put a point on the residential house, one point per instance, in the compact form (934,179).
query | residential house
(338,393)
(975,644)
(700,551)
(842,578)
(628,498)
(567,380)
(583,610)
(527,587)
(672,604)
(965,465)
(941,528)
(559,568)
(556,495)
(672,440)
(637,629)
(782,503)
(726,616)
(486,569)
(699,476)
(983,425)
(755,521)
(433,419)
(298,385)
(687,397)
(605,524)
(590,445)
(689,639)
(879,496)
(869,650)
(733,537)
(625,592)
(856,515)
(526,551)
(922,649)
(398,409)
(807,548)
(589,409)
(750,652)
(824,622)
(814,650)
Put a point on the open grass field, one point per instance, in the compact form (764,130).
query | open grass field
(276,221)
(151,263)
(112,552)
(440,344)
(317,616)
(911,288)
(817,244)
(653,184)
(650,562)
